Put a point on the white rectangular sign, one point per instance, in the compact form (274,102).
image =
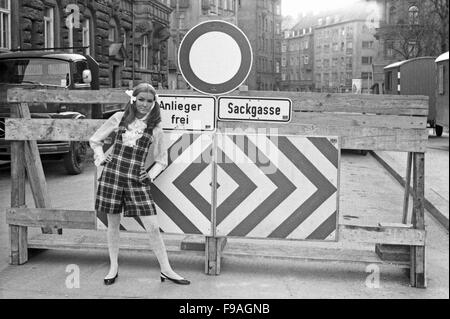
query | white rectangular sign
(259,109)
(192,113)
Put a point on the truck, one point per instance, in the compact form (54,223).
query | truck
(52,70)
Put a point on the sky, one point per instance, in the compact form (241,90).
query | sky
(295,7)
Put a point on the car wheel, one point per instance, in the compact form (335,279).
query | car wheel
(438,129)
(73,161)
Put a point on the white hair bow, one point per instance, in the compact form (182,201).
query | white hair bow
(130,94)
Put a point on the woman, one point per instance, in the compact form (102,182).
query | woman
(124,183)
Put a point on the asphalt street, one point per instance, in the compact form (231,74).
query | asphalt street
(368,194)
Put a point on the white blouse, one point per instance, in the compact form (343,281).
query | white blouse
(129,138)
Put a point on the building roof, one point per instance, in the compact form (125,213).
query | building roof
(400,63)
(43,54)
(442,57)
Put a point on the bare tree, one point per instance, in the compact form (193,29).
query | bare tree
(440,11)
(423,34)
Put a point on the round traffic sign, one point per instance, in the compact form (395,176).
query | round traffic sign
(215,57)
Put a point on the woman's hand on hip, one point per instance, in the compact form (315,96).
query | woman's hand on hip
(144,176)
(107,159)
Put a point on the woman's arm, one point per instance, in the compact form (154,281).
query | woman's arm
(159,153)
(96,140)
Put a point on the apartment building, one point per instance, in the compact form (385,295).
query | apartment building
(260,20)
(297,59)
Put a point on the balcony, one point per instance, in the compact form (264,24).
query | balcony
(183,4)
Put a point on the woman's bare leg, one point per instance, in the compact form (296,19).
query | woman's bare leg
(157,245)
(113,236)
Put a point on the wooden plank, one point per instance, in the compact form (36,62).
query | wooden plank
(316,102)
(358,120)
(96,240)
(18,245)
(52,218)
(393,252)
(211,267)
(368,138)
(300,252)
(51,129)
(381,235)
(418,264)
(406,190)
(105,96)
(17,234)
(193,243)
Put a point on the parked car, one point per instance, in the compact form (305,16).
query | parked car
(51,69)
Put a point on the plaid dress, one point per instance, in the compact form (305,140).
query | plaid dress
(119,187)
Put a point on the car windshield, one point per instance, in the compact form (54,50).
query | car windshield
(35,71)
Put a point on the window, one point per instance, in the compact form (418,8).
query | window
(367,44)
(366,60)
(5,24)
(389,48)
(283,47)
(366,75)
(277,67)
(392,15)
(318,77)
(86,35)
(306,59)
(441,86)
(213,4)
(412,49)
(387,80)
(413,14)
(144,53)
(49,27)
(112,34)
(277,9)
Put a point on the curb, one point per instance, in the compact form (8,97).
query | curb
(429,207)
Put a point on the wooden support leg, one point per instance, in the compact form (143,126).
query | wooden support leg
(17,234)
(418,261)
(36,176)
(18,245)
(407,185)
(213,254)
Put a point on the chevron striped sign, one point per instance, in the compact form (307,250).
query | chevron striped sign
(182,192)
(267,187)
(277,186)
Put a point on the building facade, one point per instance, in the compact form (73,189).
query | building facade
(297,59)
(337,45)
(344,53)
(261,21)
(187,14)
(127,38)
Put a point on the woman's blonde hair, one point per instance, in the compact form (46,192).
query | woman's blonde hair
(130,110)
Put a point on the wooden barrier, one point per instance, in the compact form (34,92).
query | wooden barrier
(362,122)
